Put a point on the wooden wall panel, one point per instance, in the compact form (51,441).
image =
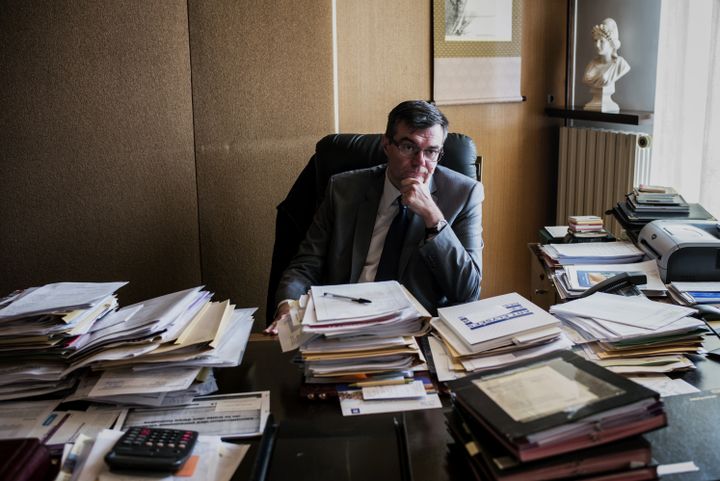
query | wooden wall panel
(385,57)
(96,145)
(263,96)
(519,148)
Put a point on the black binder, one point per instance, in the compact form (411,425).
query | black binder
(621,408)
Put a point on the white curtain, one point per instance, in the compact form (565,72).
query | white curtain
(686,131)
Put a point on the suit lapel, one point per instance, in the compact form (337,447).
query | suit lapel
(364,225)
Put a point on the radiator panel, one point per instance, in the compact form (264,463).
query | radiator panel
(596,168)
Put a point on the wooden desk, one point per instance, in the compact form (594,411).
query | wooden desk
(264,367)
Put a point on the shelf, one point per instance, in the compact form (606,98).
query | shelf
(622,117)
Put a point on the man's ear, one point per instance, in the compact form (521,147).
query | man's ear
(385,142)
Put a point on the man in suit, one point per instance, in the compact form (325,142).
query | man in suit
(409,220)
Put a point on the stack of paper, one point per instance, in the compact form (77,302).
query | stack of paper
(631,335)
(359,339)
(532,420)
(40,326)
(492,332)
(347,336)
(46,346)
(619,252)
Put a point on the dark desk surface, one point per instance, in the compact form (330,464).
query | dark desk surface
(265,367)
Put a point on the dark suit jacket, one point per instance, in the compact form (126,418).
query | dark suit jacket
(444,271)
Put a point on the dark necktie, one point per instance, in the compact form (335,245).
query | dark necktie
(390,257)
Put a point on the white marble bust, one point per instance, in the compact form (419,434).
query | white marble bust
(605,68)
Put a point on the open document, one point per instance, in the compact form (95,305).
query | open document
(227,415)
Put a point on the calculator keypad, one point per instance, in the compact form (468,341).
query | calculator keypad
(156,441)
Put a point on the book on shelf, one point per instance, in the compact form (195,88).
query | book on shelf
(556,404)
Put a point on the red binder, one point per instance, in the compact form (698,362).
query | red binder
(25,460)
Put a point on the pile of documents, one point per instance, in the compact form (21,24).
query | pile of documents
(633,335)
(491,333)
(618,252)
(352,331)
(361,338)
(554,417)
(51,335)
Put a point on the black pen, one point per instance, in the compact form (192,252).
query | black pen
(359,300)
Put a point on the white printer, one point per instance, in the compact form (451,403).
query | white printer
(685,250)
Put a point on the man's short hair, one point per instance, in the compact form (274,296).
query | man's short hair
(417,114)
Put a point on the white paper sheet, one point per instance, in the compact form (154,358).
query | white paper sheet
(127,381)
(634,311)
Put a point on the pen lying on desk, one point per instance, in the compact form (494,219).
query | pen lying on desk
(359,300)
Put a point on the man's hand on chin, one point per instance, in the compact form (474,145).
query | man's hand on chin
(416,195)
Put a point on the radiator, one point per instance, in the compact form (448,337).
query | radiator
(596,168)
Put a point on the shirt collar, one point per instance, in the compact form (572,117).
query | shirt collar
(390,193)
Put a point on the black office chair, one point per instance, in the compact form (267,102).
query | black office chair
(334,154)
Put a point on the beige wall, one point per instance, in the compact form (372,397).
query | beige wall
(97,177)
(151,140)
(262,96)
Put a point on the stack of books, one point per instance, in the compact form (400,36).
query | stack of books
(648,203)
(492,332)
(586,228)
(73,336)
(633,335)
(555,417)
(657,199)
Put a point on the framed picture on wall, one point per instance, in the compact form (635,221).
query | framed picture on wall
(476,51)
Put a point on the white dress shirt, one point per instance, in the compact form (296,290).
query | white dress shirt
(387,210)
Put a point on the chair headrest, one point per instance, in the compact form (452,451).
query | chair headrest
(337,153)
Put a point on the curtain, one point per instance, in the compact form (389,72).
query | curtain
(686,150)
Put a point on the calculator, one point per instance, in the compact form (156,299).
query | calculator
(151,449)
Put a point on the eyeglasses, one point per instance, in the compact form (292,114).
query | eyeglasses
(410,150)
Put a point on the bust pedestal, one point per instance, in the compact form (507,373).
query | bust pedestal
(601,99)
